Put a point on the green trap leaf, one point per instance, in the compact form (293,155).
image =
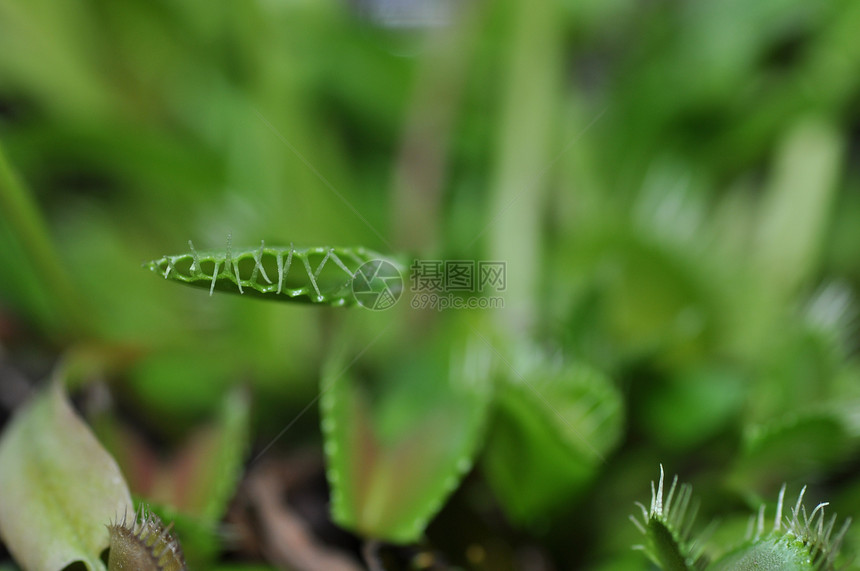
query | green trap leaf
(321,275)
(399,443)
(798,541)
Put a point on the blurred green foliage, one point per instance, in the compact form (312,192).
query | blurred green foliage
(674,187)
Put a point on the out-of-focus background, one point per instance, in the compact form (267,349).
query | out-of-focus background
(673,185)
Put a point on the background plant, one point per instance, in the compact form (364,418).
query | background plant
(674,188)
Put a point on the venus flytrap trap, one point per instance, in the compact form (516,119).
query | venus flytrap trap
(400,443)
(144,544)
(797,541)
(319,275)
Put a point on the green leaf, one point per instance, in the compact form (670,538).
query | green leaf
(399,441)
(308,275)
(52,288)
(551,431)
(59,487)
(642,298)
(666,546)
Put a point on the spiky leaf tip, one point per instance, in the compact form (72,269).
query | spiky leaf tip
(666,525)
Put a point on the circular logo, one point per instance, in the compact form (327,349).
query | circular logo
(377,285)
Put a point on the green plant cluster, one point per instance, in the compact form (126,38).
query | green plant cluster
(673,188)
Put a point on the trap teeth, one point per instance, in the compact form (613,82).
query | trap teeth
(320,275)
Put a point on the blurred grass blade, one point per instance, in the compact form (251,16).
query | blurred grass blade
(532,73)
(20,211)
(798,205)
(793,219)
(60,488)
